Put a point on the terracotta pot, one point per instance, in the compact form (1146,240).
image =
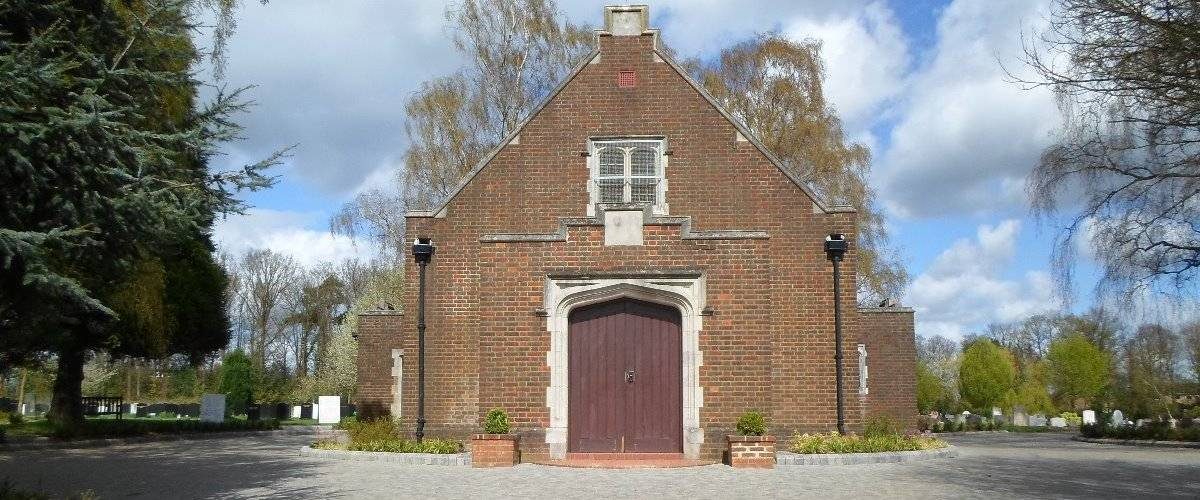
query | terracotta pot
(495,450)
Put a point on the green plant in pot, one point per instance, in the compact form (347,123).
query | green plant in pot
(496,422)
(752,423)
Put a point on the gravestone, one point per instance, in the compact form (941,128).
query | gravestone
(1173,423)
(307,411)
(1037,420)
(1019,416)
(316,410)
(1118,418)
(212,408)
(1058,422)
(330,409)
(996,411)
(1142,421)
(296,411)
(1089,416)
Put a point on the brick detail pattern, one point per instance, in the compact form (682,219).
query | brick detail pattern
(768,344)
(495,450)
(891,364)
(756,452)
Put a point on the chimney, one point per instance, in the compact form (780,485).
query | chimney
(626,20)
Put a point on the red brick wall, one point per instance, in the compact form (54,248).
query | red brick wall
(769,345)
(378,333)
(891,364)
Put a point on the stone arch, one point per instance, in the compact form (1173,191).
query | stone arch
(684,291)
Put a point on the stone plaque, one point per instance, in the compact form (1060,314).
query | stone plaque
(212,408)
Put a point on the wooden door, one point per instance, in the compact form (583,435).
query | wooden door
(625,378)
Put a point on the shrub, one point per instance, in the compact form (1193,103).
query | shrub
(925,423)
(428,445)
(881,425)
(1154,431)
(752,423)
(237,381)
(16,420)
(496,422)
(373,430)
(4,417)
(1073,419)
(836,443)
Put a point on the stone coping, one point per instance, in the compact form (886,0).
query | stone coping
(495,437)
(454,459)
(787,458)
(737,438)
(45,443)
(1139,442)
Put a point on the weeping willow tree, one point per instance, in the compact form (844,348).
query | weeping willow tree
(775,86)
(107,200)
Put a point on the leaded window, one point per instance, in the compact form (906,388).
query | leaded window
(629,171)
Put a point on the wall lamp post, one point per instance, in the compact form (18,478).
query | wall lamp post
(835,249)
(422,251)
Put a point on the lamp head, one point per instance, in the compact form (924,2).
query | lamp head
(836,246)
(422,250)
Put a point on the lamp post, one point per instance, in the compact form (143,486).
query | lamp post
(835,248)
(422,251)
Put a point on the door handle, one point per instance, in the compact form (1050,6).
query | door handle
(629,376)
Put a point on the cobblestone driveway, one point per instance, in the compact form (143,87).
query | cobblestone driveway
(989,466)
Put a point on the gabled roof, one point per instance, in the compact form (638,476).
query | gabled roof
(820,204)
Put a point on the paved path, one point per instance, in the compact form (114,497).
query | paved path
(989,466)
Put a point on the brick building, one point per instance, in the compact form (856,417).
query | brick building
(631,271)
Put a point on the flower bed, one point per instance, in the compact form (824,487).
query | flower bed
(383,436)
(836,443)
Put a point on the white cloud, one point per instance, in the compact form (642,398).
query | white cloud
(866,57)
(967,137)
(288,233)
(965,287)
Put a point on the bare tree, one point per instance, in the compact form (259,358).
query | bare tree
(266,293)
(1126,163)
(516,51)
(1190,335)
(776,87)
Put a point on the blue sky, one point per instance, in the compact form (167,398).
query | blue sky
(920,82)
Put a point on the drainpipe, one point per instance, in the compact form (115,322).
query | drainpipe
(422,250)
(835,248)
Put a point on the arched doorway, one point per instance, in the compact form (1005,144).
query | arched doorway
(625,378)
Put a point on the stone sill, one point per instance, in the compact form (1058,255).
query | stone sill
(734,438)
(495,437)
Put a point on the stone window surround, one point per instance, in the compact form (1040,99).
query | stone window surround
(684,291)
(660,207)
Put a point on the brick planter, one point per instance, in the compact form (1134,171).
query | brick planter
(752,451)
(495,450)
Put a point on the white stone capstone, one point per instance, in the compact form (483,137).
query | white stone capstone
(212,408)
(331,409)
(626,20)
(1089,416)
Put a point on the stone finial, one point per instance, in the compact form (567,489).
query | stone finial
(626,20)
